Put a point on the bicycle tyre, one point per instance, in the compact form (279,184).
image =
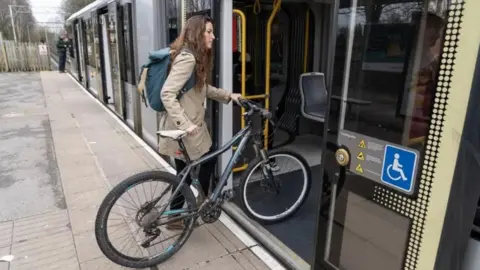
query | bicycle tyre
(109,201)
(253,164)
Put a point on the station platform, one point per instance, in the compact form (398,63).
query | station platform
(60,153)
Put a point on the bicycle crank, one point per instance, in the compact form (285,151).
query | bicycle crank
(211,213)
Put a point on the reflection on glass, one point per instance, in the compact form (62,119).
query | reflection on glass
(96,60)
(91,60)
(128,59)
(112,36)
(172,16)
(392,71)
(391,91)
(198,7)
(80,50)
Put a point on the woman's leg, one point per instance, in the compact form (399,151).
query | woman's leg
(179,200)
(206,172)
(61,61)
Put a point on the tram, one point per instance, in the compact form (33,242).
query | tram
(380,97)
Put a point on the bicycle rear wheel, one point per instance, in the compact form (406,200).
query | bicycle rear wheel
(256,188)
(134,227)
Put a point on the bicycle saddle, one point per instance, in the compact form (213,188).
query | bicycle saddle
(172,134)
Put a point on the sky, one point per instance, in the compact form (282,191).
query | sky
(44,11)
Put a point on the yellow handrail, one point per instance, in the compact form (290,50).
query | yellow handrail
(416,140)
(243,40)
(276,6)
(256,7)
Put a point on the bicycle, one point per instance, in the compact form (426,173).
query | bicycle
(150,217)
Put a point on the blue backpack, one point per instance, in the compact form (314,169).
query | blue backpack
(153,76)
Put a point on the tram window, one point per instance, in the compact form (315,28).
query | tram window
(198,7)
(393,69)
(126,18)
(91,61)
(172,15)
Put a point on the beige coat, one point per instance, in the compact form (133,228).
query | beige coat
(189,110)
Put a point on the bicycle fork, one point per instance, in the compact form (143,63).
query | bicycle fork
(266,166)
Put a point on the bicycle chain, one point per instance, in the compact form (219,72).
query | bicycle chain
(213,210)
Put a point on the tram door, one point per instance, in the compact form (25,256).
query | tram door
(81,52)
(106,59)
(116,51)
(382,101)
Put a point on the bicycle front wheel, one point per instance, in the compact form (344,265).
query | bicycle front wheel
(274,193)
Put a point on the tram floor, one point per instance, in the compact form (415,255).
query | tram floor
(298,231)
(364,234)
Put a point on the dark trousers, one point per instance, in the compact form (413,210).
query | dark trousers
(62,58)
(206,171)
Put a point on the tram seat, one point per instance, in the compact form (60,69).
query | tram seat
(313,93)
(289,109)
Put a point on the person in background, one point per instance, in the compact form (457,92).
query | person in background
(63,45)
(426,77)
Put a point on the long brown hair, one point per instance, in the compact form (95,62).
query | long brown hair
(193,38)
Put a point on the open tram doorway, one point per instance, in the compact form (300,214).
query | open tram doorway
(374,64)
(283,53)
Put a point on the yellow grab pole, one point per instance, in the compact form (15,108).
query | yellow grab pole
(243,40)
(276,7)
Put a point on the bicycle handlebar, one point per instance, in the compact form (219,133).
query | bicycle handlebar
(251,107)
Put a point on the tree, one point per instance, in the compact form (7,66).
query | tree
(24,22)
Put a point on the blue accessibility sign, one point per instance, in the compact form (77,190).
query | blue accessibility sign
(399,167)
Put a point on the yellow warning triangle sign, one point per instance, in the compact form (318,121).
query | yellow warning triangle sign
(362,144)
(359,168)
(360,156)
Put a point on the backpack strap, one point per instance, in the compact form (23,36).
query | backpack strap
(184,89)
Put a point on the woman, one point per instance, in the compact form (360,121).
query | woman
(188,112)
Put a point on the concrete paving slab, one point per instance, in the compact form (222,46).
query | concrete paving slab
(6,230)
(87,199)
(29,180)
(225,237)
(87,248)
(90,152)
(225,262)
(4,251)
(201,247)
(82,184)
(83,220)
(43,241)
(101,264)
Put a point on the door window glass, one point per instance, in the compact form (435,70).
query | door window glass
(393,70)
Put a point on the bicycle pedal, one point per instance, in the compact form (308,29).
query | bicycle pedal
(275,168)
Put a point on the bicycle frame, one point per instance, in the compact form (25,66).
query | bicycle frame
(243,136)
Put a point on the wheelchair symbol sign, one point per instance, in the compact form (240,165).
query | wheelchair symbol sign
(399,167)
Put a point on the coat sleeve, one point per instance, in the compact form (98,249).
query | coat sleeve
(218,94)
(182,68)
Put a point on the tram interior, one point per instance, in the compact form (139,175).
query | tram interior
(292,53)
(300,43)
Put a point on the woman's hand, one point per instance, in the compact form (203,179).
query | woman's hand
(235,97)
(192,130)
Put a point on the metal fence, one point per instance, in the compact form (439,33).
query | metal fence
(23,56)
